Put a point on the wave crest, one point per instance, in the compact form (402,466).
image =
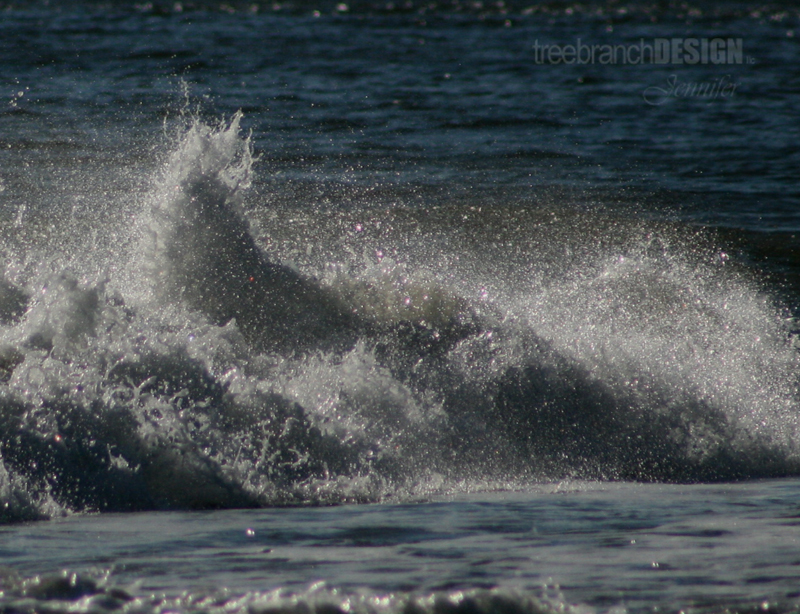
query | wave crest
(448,349)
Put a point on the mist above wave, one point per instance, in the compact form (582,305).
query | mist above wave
(403,351)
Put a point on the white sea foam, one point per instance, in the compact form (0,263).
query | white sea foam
(421,353)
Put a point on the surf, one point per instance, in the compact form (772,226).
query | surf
(544,410)
(409,352)
(205,256)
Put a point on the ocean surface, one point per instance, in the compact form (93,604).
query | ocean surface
(399,307)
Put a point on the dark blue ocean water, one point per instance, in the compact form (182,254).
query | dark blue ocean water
(412,307)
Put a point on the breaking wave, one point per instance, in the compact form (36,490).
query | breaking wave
(72,592)
(243,353)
